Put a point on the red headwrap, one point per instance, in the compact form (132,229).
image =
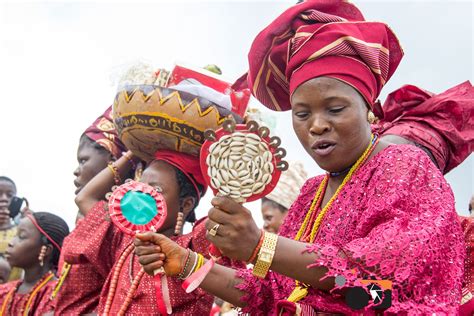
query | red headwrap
(321,38)
(103,132)
(442,123)
(188,164)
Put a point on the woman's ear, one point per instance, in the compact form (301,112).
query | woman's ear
(187,205)
(49,250)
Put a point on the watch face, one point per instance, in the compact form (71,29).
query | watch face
(266,256)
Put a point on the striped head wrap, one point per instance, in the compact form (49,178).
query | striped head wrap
(103,132)
(321,38)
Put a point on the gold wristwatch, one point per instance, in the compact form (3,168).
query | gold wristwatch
(265,255)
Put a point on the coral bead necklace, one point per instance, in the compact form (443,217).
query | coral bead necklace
(25,309)
(313,219)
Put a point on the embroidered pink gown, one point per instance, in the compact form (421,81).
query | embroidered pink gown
(395,220)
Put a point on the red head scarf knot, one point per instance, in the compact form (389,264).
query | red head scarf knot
(442,123)
(321,38)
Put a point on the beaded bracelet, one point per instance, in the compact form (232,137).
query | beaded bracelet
(257,248)
(115,172)
(183,270)
(196,260)
(200,262)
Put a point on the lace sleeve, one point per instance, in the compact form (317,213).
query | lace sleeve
(409,234)
(262,295)
(94,237)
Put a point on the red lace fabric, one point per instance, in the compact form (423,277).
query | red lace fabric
(467,224)
(80,291)
(98,246)
(394,220)
(144,301)
(40,305)
(467,307)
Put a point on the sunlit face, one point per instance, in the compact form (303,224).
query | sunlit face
(7,192)
(330,121)
(24,249)
(273,217)
(163,175)
(91,162)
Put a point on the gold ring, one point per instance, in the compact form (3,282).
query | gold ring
(214,229)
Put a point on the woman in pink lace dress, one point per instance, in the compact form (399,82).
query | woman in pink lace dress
(382,212)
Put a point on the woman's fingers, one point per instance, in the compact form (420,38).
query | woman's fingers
(151,258)
(147,250)
(227,205)
(150,268)
(150,237)
(219,216)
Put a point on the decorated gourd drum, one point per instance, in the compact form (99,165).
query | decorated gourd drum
(149,118)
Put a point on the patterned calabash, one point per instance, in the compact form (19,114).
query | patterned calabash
(149,118)
(137,207)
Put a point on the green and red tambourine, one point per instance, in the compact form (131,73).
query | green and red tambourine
(138,207)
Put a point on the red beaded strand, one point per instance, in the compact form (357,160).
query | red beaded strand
(114,281)
(131,292)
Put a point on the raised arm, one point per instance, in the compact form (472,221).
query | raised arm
(95,190)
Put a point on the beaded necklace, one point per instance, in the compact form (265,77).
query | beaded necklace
(308,232)
(64,273)
(114,282)
(115,277)
(25,309)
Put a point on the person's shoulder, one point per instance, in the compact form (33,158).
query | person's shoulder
(403,157)
(6,287)
(467,224)
(403,152)
(196,239)
(311,183)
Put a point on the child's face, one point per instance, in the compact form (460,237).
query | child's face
(24,249)
(4,270)
(7,192)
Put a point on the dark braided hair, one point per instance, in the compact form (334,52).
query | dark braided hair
(7,179)
(57,230)
(186,189)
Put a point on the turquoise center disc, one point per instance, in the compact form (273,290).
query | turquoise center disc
(138,208)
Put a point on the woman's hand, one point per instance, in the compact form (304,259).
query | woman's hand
(155,251)
(237,234)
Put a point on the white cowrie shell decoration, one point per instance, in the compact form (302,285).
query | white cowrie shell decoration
(241,163)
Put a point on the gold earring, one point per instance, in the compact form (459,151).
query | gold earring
(42,255)
(371,117)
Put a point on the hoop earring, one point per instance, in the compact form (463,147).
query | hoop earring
(179,223)
(42,255)
(371,117)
